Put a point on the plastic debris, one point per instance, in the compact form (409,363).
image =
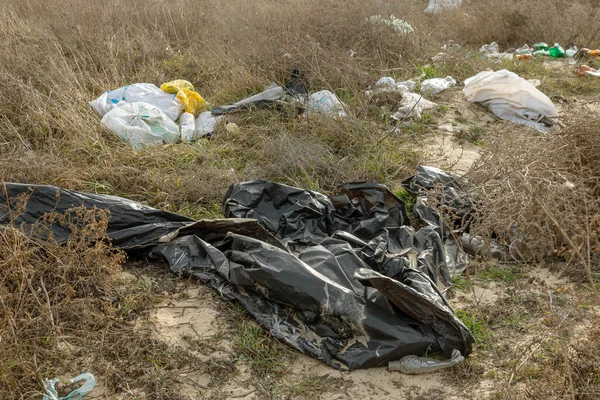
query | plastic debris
(512,98)
(348,279)
(232,127)
(399,25)
(586,70)
(77,394)
(413,365)
(433,86)
(205,124)
(451,46)
(325,102)
(491,48)
(141,124)
(437,6)
(184,90)
(413,105)
(556,51)
(187,127)
(139,92)
(590,53)
(524,50)
(571,52)
(272,94)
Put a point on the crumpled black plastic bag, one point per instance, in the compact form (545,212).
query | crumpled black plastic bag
(344,279)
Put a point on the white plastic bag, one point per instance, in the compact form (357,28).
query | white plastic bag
(206,123)
(187,127)
(433,86)
(326,102)
(388,84)
(139,92)
(141,124)
(437,6)
(414,365)
(512,98)
(413,105)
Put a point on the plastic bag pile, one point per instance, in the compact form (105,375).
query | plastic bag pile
(145,115)
(347,279)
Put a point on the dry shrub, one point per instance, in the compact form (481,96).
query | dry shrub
(62,311)
(541,190)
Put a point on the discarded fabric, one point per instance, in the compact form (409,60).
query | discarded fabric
(139,92)
(77,394)
(429,87)
(141,124)
(437,6)
(512,98)
(345,279)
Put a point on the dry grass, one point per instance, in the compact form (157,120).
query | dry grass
(542,190)
(64,310)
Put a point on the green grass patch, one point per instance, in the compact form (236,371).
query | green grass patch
(254,345)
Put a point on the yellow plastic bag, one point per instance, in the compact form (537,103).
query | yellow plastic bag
(174,86)
(193,102)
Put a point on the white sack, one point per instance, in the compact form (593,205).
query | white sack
(141,124)
(510,97)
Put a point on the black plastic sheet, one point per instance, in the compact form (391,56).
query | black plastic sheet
(345,279)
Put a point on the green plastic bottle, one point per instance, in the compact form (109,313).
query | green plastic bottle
(556,51)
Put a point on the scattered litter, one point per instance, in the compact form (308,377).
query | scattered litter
(437,6)
(232,127)
(451,46)
(439,57)
(187,127)
(77,394)
(141,124)
(512,98)
(447,128)
(492,51)
(429,87)
(414,365)
(524,57)
(272,94)
(399,25)
(413,105)
(586,70)
(193,102)
(326,102)
(491,48)
(348,279)
(524,50)
(385,82)
(205,124)
(571,52)
(139,92)
(590,53)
